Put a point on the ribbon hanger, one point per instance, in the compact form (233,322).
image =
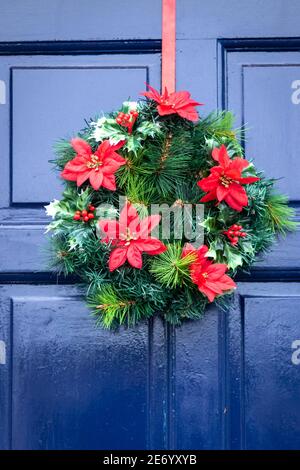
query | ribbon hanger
(168,74)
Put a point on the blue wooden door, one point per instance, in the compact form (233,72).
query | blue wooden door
(227,381)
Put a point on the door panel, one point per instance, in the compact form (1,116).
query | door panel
(236,19)
(259,86)
(48,98)
(60,398)
(197,384)
(263,339)
(260,91)
(272,381)
(72,386)
(52,100)
(227,381)
(56,20)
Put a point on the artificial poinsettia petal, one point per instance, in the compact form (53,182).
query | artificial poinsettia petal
(188,113)
(116,157)
(188,249)
(106,149)
(216,270)
(248,179)
(209,197)
(147,224)
(209,183)
(127,216)
(182,99)
(68,175)
(239,164)
(111,165)
(152,94)
(179,98)
(214,286)
(202,251)
(96,179)
(227,282)
(222,192)
(109,181)
(81,147)
(78,164)
(117,258)
(233,203)
(152,246)
(82,177)
(221,156)
(117,146)
(210,294)
(238,193)
(165,110)
(109,229)
(134,256)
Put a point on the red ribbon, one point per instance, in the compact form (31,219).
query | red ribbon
(168,45)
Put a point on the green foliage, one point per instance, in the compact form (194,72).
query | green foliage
(217,129)
(166,156)
(166,162)
(108,128)
(64,152)
(186,304)
(170,268)
(113,308)
(280,215)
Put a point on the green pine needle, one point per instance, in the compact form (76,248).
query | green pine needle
(170,268)
(113,308)
(280,213)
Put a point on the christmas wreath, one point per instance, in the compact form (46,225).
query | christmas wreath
(122,172)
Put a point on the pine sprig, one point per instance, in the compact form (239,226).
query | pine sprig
(170,268)
(112,308)
(281,216)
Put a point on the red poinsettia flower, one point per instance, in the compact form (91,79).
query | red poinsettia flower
(179,102)
(225,180)
(131,237)
(99,166)
(208,276)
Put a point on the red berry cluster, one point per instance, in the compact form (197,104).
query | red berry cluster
(85,215)
(234,232)
(127,120)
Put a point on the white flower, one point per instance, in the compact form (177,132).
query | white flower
(52,208)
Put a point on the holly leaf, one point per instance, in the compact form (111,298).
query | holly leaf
(233,259)
(109,129)
(215,247)
(211,253)
(133,144)
(250,170)
(209,224)
(248,248)
(148,129)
